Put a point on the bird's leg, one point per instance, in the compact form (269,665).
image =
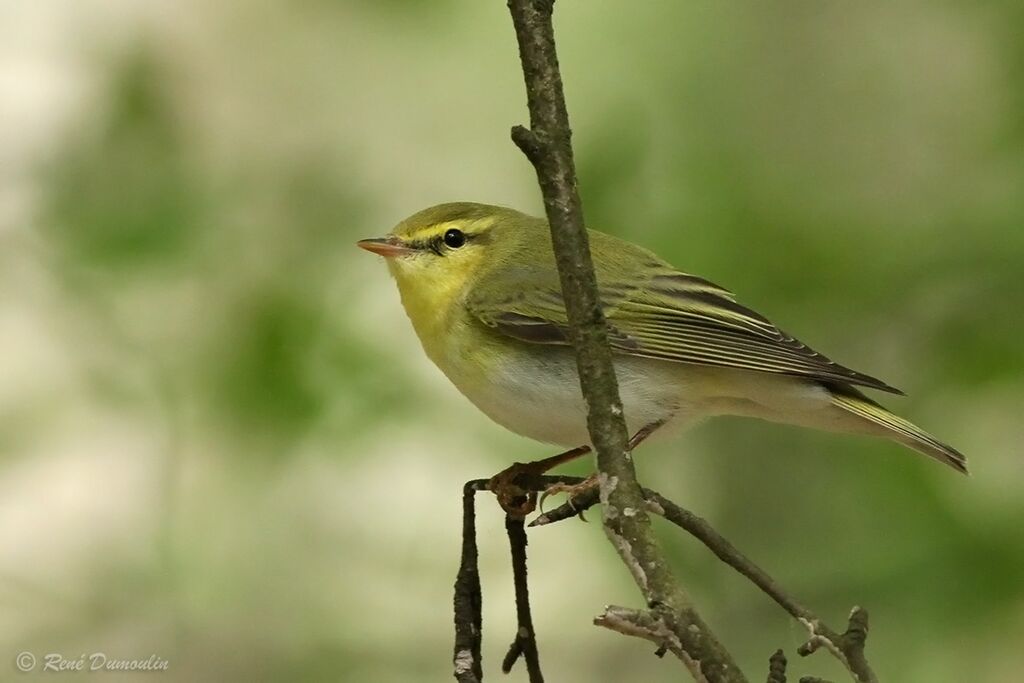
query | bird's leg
(644,432)
(591,481)
(512,496)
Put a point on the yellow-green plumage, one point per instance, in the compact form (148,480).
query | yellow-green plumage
(489,312)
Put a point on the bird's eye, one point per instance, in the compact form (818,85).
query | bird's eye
(453,239)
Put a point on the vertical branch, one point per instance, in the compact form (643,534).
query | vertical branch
(525,643)
(468,599)
(547,144)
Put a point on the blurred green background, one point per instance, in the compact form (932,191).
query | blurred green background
(221,444)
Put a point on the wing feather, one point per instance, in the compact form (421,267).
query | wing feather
(672,316)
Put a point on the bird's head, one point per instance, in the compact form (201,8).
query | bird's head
(437,252)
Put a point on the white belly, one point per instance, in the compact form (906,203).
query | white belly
(538,395)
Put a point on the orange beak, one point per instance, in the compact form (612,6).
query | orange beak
(388,247)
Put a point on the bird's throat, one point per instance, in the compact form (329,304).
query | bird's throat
(430,300)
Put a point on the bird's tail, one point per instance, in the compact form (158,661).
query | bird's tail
(892,426)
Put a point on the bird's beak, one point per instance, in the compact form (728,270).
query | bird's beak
(388,247)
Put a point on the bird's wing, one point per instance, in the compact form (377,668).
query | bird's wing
(671,316)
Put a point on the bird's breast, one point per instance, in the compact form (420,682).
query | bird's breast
(533,389)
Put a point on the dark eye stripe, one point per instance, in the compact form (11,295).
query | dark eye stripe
(439,246)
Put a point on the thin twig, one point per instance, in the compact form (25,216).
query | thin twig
(468,598)
(847,647)
(650,625)
(525,642)
(468,601)
(547,144)
(777,667)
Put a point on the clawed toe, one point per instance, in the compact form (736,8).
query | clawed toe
(572,490)
(511,485)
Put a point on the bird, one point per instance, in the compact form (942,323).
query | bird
(480,286)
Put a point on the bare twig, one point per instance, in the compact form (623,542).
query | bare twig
(651,626)
(468,667)
(525,642)
(777,667)
(468,599)
(847,647)
(548,146)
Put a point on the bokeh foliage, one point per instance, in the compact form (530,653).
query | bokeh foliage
(218,413)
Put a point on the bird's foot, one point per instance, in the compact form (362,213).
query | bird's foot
(573,491)
(511,488)
(512,485)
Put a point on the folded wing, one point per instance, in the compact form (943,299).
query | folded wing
(670,316)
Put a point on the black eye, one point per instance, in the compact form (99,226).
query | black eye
(454,239)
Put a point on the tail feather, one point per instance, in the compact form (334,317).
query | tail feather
(896,428)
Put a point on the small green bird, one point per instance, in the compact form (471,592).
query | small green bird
(480,286)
